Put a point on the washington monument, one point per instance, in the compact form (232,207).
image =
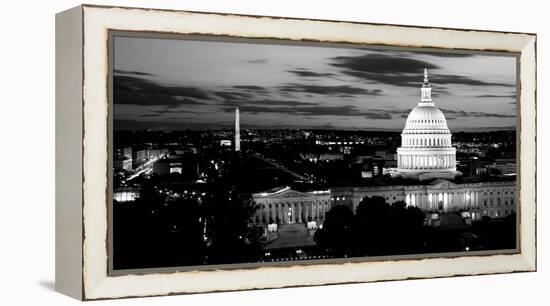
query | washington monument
(237,131)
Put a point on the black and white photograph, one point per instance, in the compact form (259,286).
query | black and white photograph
(249,151)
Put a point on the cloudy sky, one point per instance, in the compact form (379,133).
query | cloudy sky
(180,84)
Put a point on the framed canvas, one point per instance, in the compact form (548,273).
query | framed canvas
(200,152)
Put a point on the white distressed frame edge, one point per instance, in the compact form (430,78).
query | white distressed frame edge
(96,23)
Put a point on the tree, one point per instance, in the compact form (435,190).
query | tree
(384,229)
(153,231)
(498,233)
(181,236)
(228,211)
(336,236)
(377,228)
(135,230)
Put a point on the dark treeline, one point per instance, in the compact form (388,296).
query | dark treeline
(379,229)
(376,228)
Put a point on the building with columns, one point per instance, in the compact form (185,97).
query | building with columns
(287,206)
(473,199)
(290,217)
(426,151)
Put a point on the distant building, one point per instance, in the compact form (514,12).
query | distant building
(139,157)
(372,167)
(366,174)
(168,166)
(331,156)
(176,164)
(225,143)
(388,170)
(125,151)
(157,153)
(125,194)
(506,166)
(480,171)
(121,162)
(317,157)
(385,154)
(338,143)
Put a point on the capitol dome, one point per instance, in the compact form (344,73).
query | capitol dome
(426,151)
(426,117)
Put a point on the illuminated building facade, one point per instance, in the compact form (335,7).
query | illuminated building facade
(475,200)
(287,206)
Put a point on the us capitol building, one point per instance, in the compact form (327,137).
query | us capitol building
(426,158)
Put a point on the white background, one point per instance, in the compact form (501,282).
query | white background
(27,153)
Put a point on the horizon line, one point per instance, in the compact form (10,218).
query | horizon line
(470,130)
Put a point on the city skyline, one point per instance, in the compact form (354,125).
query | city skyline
(197,85)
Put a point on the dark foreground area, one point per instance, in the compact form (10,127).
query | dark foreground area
(174,234)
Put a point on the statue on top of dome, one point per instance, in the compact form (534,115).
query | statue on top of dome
(426,89)
(426,76)
(426,82)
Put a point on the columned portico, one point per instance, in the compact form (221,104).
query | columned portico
(288,206)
